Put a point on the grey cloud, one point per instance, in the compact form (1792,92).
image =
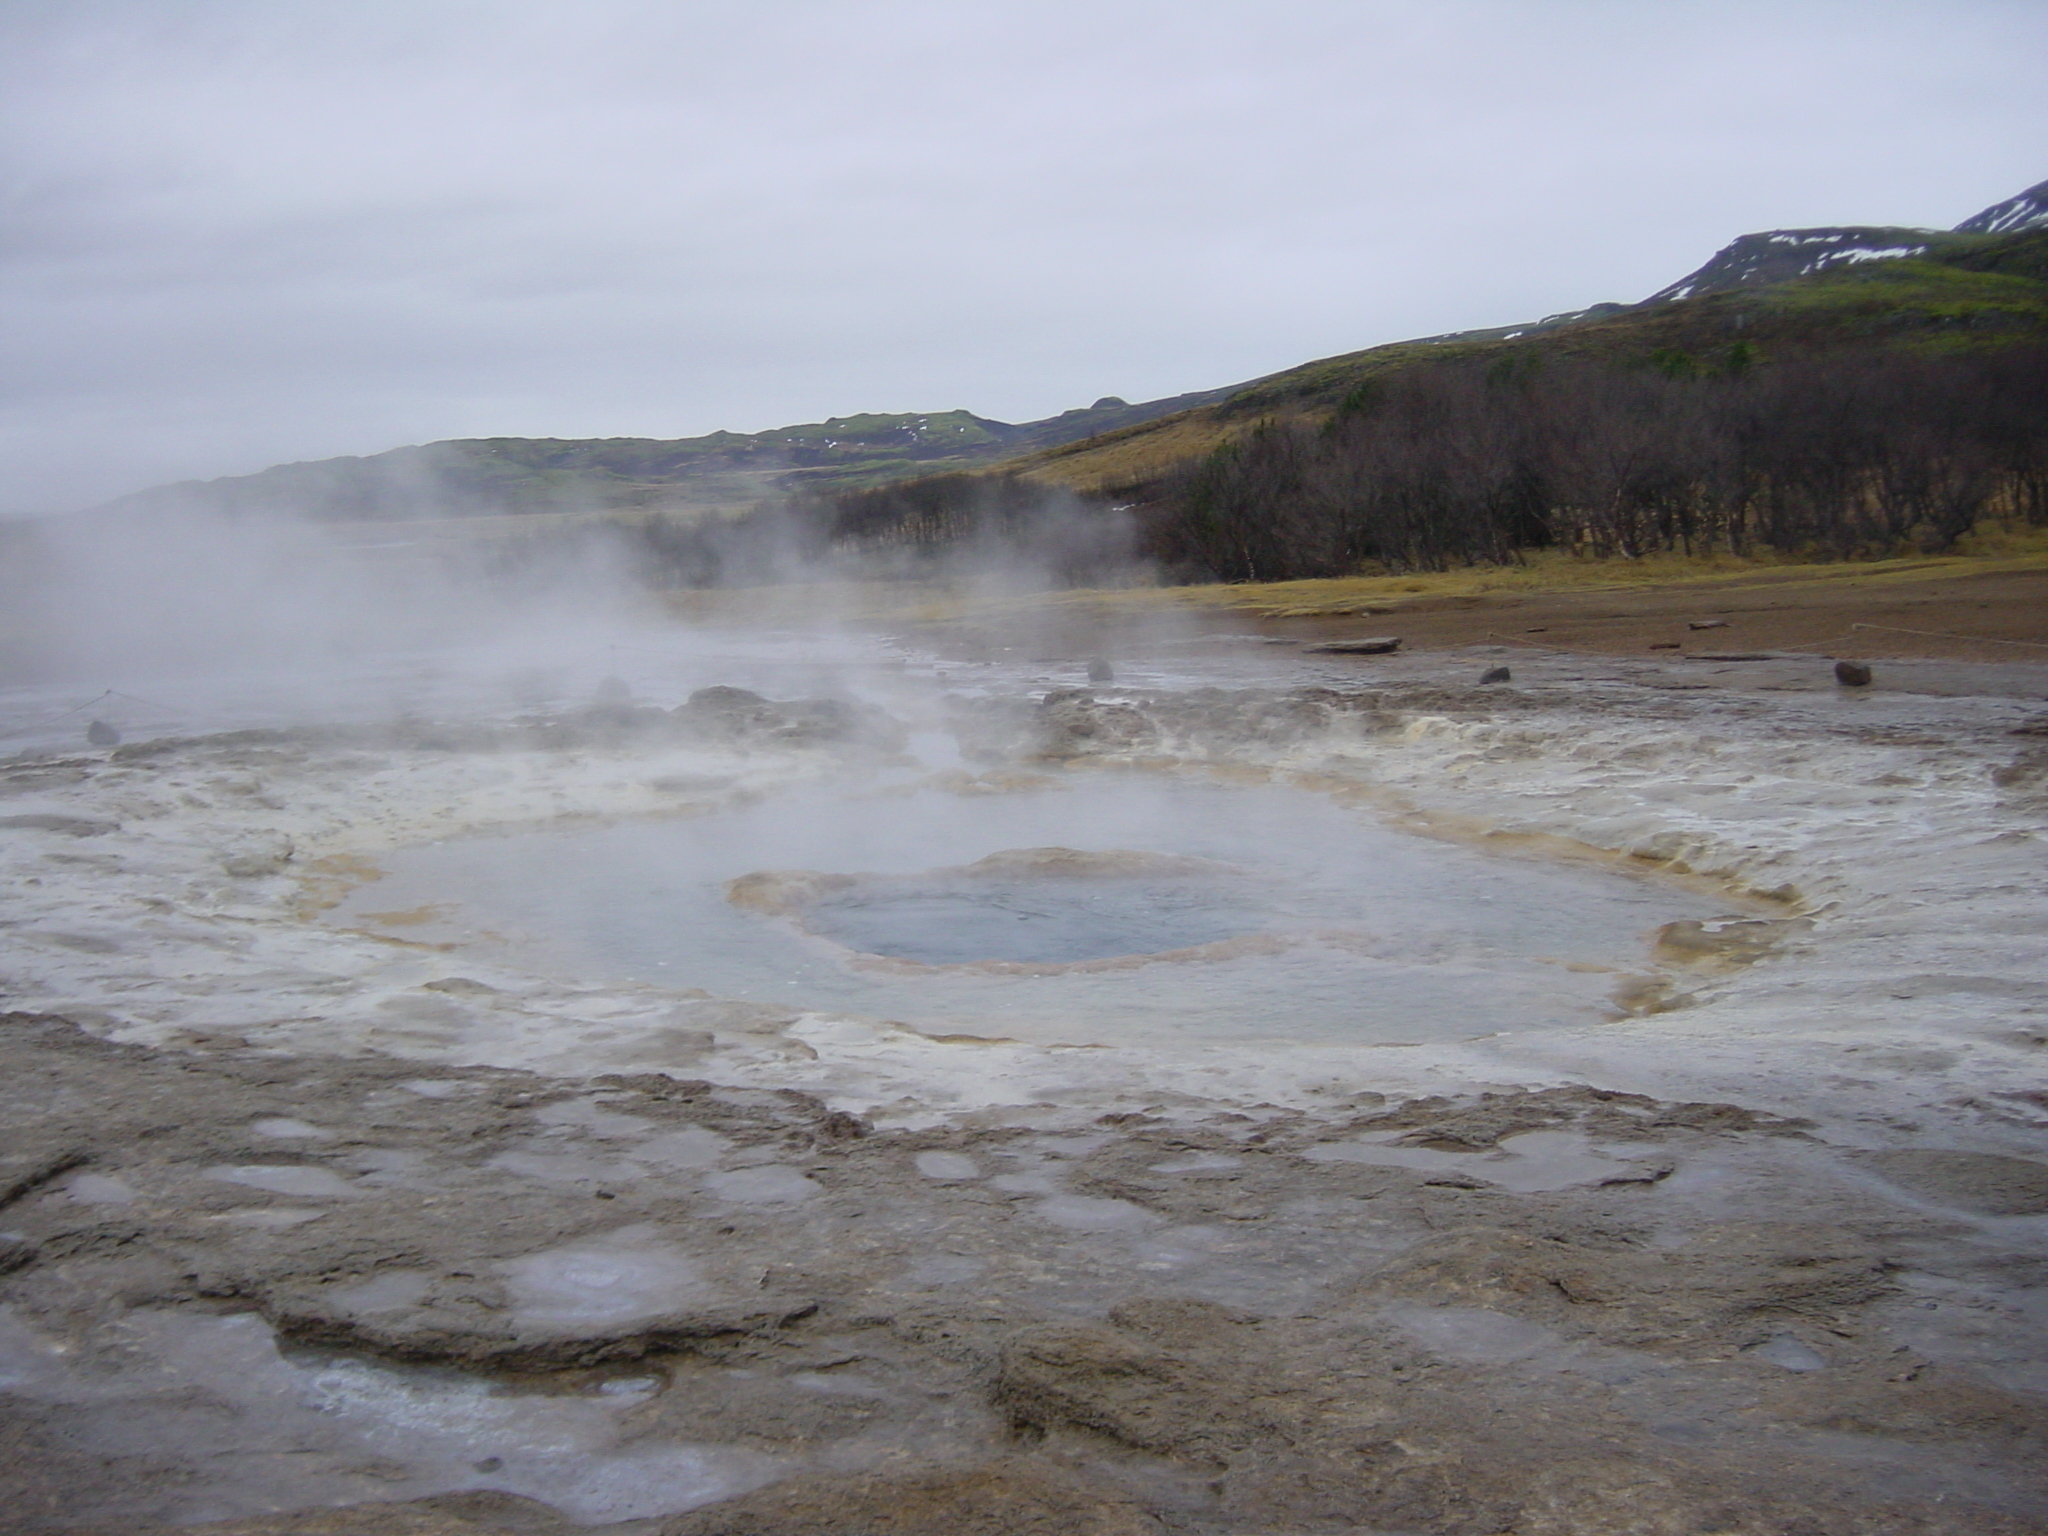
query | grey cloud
(239,233)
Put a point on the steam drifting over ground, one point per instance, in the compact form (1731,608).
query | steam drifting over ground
(1762,1216)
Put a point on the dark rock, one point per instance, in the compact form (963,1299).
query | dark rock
(739,715)
(1072,722)
(1378,645)
(808,722)
(723,698)
(1100,671)
(1496,675)
(1852,674)
(101,734)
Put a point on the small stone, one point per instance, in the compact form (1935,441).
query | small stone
(1496,675)
(1852,674)
(1100,671)
(258,857)
(1377,645)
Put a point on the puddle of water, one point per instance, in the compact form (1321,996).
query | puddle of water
(624,1278)
(1530,1163)
(948,1167)
(285,1179)
(1366,933)
(1783,1349)
(275,1432)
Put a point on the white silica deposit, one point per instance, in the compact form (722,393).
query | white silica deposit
(1136,996)
(564,908)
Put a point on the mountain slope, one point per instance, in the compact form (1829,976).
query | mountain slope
(1778,255)
(2016,215)
(722,471)
(1862,285)
(1982,282)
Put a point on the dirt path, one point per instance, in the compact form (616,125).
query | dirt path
(1991,617)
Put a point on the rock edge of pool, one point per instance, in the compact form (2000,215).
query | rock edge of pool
(310,1228)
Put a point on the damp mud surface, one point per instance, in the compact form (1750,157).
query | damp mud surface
(405,1132)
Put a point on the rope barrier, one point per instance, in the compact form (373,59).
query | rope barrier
(97,699)
(88,704)
(1949,634)
(169,709)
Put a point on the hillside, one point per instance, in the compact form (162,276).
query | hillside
(719,472)
(1983,283)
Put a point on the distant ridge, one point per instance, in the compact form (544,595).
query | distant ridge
(1778,255)
(720,471)
(1985,279)
(2027,211)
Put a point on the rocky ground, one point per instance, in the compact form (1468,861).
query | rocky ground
(317,1231)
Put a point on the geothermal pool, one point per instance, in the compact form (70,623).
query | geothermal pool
(521,1217)
(1084,908)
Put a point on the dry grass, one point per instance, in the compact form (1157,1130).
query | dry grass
(1136,453)
(1546,571)
(1992,551)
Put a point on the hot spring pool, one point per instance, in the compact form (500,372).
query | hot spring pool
(1103,908)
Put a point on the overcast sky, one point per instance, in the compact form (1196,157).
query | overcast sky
(241,232)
